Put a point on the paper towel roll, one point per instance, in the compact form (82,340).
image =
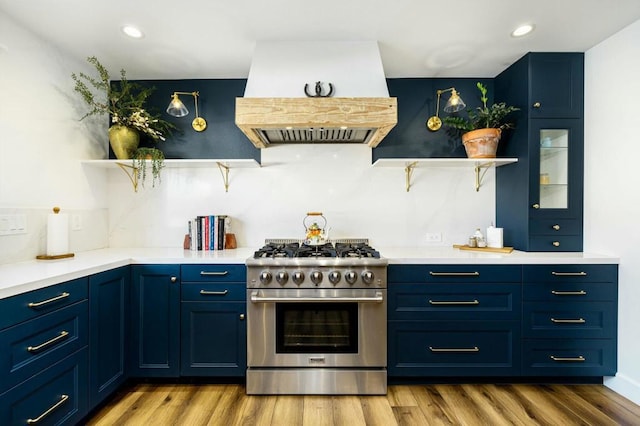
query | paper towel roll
(57,233)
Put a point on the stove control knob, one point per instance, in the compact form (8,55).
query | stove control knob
(334,277)
(351,277)
(265,277)
(298,277)
(367,277)
(282,277)
(316,277)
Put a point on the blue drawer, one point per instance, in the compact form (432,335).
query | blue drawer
(213,292)
(569,292)
(22,307)
(31,346)
(555,243)
(574,357)
(58,394)
(570,273)
(562,320)
(213,273)
(555,227)
(454,301)
(454,273)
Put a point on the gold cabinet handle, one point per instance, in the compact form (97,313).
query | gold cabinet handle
(569,293)
(173,279)
(569,274)
(454,302)
(473,349)
(568,321)
(214,273)
(63,334)
(45,302)
(63,399)
(556,227)
(214,293)
(568,359)
(454,274)
(537,105)
(536,206)
(241,317)
(556,243)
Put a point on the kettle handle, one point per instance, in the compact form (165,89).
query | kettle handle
(314,214)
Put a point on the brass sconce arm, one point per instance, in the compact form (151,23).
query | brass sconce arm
(177,109)
(454,104)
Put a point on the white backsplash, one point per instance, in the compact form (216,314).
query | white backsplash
(357,199)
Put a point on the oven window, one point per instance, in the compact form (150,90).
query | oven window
(316,327)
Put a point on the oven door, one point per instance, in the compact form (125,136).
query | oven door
(316,328)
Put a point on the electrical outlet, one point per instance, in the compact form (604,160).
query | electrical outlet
(76,222)
(434,237)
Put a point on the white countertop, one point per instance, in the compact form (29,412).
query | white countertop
(16,278)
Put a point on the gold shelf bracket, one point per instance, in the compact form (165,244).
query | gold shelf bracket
(408,170)
(480,177)
(131,172)
(224,171)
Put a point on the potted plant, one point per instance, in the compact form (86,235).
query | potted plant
(140,158)
(482,127)
(124,102)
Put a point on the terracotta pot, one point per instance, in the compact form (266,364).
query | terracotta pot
(481,143)
(124,141)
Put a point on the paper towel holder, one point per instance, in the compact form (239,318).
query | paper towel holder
(56,210)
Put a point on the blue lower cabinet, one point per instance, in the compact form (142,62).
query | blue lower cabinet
(109,322)
(213,339)
(155,321)
(455,348)
(569,357)
(56,396)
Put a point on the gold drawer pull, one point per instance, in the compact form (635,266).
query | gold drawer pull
(569,293)
(556,227)
(569,321)
(44,302)
(55,406)
(569,274)
(63,334)
(570,359)
(454,274)
(213,274)
(214,293)
(454,302)
(556,243)
(473,349)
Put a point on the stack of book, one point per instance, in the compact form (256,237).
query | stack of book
(207,232)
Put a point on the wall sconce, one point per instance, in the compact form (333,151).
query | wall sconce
(454,104)
(177,109)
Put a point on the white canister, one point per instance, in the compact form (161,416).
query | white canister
(494,237)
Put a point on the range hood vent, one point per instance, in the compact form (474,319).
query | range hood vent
(274,109)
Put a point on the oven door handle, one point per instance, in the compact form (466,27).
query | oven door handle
(378,298)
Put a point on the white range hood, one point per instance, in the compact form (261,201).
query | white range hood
(276,110)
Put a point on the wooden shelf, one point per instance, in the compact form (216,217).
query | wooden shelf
(223,165)
(410,164)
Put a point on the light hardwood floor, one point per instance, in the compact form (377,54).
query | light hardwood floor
(477,404)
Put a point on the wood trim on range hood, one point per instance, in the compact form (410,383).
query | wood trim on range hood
(254,116)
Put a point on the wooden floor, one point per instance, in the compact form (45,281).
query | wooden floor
(484,404)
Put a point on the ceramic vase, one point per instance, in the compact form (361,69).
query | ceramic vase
(481,143)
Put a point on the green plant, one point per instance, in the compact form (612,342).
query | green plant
(123,100)
(493,116)
(140,158)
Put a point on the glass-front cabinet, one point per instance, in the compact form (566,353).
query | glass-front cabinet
(554,162)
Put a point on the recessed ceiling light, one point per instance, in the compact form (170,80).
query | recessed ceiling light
(132,31)
(522,30)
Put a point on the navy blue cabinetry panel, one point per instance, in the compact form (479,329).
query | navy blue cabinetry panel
(56,396)
(31,346)
(213,273)
(456,348)
(556,85)
(155,321)
(569,357)
(569,319)
(564,274)
(454,273)
(109,321)
(213,339)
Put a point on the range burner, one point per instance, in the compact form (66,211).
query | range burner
(288,249)
(356,250)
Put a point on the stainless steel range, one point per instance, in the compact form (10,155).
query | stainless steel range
(317,319)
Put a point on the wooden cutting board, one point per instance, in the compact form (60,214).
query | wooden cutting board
(485,249)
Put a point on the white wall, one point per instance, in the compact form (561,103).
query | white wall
(41,144)
(612,196)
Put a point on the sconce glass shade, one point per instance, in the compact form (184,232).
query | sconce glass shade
(176,108)
(455,103)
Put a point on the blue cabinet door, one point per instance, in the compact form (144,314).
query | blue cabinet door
(109,320)
(556,85)
(155,321)
(213,340)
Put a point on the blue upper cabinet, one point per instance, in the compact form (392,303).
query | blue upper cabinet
(539,199)
(222,139)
